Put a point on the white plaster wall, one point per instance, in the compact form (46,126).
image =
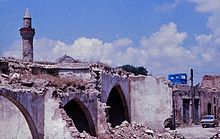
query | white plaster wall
(150,100)
(12,123)
(54,126)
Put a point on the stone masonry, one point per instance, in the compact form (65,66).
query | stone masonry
(85,100)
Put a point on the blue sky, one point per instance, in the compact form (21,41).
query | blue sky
(165,36)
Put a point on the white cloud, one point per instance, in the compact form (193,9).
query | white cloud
(209,44)
(14,51)
(206,5)
(166,36)
(165,52)
(168,6)
(122,42)
(213,7)
(213,23)
(162,52)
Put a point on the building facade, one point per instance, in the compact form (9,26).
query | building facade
(206,100)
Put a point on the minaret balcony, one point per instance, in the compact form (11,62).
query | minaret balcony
(27,33)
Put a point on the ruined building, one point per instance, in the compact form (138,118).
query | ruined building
(56,97)
(74,99)
(27,34)
(206,100)
(210,95)
(182,97)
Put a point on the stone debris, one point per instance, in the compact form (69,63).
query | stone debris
(124,131)
(127,131)
(22,77)
(38,76)
(149,132)
(138,131)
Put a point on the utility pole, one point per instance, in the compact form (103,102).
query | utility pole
(174,114)
(193,96)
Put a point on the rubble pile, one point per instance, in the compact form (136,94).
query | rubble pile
(125,131)
(138,131)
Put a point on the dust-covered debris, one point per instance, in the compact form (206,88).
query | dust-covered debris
(139,131)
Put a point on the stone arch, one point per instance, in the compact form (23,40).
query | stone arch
(118,109)
(25,113)
(80,115)
(209,108)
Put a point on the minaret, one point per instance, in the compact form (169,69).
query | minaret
(27,34)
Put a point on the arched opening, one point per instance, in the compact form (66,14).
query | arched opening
(80,115)
(209,108)
(26,115)
(118,111)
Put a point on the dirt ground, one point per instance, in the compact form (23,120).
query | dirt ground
(197,132)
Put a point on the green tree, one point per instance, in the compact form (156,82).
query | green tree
(135,70)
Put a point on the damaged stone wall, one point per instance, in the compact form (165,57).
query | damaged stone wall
(207,96)
(150,100)
(210,95)
(183,104)
(33,112)
(46,94)
(55,125)
(182,93)
(210,104)
(212,99)
(12,122)
(108,81)
(211,82)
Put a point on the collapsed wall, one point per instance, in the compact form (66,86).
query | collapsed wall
(96,90)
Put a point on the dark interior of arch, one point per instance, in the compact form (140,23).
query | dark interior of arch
(209,108)
(117,113)
(76,113)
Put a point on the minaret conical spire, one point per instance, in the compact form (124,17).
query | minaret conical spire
(26,14)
